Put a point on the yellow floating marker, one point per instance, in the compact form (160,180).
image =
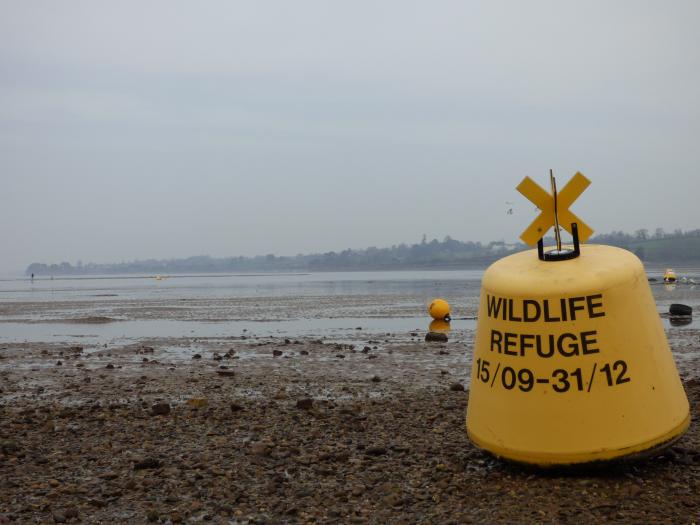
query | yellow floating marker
(571,362)
(439,325)
(439,309)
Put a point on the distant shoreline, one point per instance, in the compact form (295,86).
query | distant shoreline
(678,250)
(97,276)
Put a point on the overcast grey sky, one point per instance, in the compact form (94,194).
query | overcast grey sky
(174,128)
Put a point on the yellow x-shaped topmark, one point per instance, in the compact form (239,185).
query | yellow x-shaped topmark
(545,202)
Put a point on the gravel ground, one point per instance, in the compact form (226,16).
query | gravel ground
(267,430)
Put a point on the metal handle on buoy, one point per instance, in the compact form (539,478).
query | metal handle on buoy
(560,254)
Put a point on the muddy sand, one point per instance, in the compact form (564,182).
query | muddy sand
(253,429)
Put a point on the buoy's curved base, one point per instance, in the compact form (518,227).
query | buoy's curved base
(593,458)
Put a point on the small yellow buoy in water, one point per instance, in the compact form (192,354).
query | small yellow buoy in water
(439,309)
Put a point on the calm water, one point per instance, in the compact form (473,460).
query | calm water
(243,285)
(326,305)
(376,302)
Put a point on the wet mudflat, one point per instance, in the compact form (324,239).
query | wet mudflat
(271,430)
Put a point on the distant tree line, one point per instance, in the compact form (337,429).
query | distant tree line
(662,247)
(678,247)
(448,253)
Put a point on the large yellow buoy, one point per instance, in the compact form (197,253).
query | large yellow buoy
(439,309)
(571,363)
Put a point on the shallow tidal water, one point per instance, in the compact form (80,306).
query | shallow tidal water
(123,309)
